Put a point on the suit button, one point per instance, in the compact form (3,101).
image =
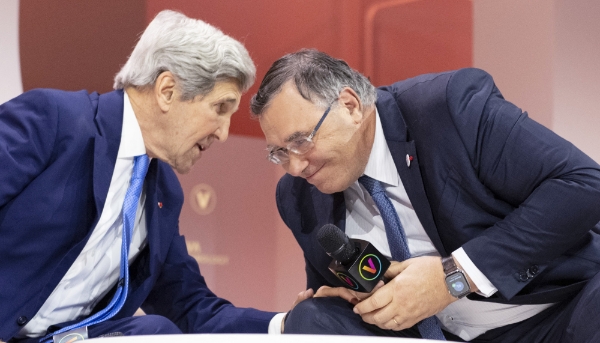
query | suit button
(523,276)
(22,320)
(534,269)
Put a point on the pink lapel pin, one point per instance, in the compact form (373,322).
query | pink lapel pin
(159,204)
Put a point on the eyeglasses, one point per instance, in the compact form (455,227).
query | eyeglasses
(299,146)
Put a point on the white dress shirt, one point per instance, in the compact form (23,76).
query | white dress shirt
(96,269)
(465,318)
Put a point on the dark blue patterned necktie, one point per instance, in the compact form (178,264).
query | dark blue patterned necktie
(130,204)
(428,327)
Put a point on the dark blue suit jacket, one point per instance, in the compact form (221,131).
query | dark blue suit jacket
(522,202)
(57,155)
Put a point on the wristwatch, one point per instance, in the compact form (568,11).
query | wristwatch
(456,280)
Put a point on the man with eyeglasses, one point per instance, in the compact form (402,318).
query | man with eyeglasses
(442,166)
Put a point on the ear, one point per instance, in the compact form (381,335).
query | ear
(165,90)
(350,100)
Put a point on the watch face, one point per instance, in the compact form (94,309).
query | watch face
(457,285)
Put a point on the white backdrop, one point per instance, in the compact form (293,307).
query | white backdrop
(10,67)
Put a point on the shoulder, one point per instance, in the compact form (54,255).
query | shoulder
(43,96)
(469,90)
(454,79)
(50,103)
(455,89)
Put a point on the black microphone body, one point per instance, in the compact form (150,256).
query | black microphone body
(356,263)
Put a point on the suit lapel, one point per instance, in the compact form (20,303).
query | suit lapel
(327,209)
(407,163)
(153,219)
(109,124)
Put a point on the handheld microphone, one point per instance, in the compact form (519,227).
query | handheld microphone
(357,263)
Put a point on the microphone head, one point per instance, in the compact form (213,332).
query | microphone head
(335,243)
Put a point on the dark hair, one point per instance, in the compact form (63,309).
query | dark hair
(318,77)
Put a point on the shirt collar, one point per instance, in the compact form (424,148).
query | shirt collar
(381,165)
(132,142)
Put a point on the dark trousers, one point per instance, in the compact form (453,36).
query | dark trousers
(572,321)
(131,326)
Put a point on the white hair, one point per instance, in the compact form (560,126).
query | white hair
(198,54)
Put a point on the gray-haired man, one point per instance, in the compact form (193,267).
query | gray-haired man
(87,189)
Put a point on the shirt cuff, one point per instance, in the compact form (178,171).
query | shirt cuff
(275,324)
(486,288)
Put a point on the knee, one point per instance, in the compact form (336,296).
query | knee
(158,325)
(316,316)
(302,317)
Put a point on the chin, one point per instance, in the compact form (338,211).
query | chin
(329,188)
(182,168)
(335,184)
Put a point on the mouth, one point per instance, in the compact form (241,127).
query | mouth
(205,143)
(311,176)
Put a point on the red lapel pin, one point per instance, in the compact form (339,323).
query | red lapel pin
(159,204)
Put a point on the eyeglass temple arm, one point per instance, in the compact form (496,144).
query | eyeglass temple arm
(319,123)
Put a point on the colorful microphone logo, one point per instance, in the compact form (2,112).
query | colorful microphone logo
(369,267)
(347,280)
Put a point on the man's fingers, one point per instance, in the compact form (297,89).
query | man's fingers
(376,301)
(377,286)
(394,269)
(383,318)
(303,296)
(344,293)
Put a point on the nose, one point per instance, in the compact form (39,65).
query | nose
(222,131)
(296,165)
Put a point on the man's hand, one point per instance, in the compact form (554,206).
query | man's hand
(417,290)
(349,295)
(302,296)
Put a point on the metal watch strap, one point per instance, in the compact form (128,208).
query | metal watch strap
(449,265)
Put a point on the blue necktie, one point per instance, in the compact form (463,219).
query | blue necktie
(130,204)
(428,327)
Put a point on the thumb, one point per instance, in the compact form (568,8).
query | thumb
(395,269)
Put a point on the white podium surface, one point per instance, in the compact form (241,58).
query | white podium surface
(259,338)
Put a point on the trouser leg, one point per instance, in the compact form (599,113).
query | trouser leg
(334,316)
(132,326)
(571,321)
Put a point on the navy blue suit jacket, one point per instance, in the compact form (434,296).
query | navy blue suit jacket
(57,154)
(522,202)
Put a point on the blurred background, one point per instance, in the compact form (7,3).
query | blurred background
(543,55)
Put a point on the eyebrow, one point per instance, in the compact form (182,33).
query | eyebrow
(228,100)
(292,137)
(296,135)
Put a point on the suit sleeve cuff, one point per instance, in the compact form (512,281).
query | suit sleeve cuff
(486,288)
(275,324)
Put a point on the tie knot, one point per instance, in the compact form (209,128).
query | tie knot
(140,166)
(371,185)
